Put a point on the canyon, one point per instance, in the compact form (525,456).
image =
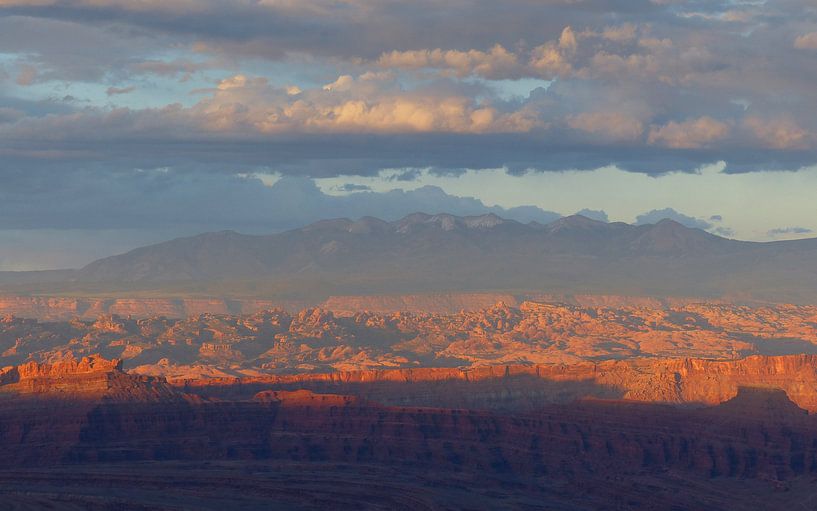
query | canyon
(77,442)
(579,402)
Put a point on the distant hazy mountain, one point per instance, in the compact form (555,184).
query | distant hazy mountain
(424,253)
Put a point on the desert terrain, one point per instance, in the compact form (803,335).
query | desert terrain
(315,340)
(165,379)
(85,434)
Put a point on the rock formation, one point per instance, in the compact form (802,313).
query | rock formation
(319,340)
(599,449)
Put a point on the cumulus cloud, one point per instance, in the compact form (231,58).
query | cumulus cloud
(368,103)
(351,87)
(691,134)
(654,72)
(494,63)
(608,125)
(780,133)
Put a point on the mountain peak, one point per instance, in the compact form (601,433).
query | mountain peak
(671,237)
(575,222)
(669,223)
(483,221)
(367,225)
(448,222)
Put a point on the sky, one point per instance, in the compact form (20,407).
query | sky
(125,122)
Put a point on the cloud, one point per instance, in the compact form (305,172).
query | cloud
(10,114)
(653,69)
(115,91)
(725,232)
(656,215)
(781,133)
(351,87)
(786,231)
(27,75)
(495,63)
(353,187)
(691,134)
(608,125)
(368,103)
(405,175)
(188,202)
(806,41)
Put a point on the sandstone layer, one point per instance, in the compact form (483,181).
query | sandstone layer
(318,340)
(140,444)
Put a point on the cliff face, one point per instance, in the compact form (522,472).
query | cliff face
(757,434)
(88,379)
(529,387)
(605,448)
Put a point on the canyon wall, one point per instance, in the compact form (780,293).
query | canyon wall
(692,382)
(758,433)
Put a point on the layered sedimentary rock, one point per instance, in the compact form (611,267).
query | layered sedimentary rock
(318,340)
(691,382)
(124,447)
(439,303)
(88,379)
(758,433)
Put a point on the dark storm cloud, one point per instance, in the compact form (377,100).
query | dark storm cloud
(194,202)
(346,29)
(648,86)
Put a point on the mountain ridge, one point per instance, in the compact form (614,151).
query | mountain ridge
(424,253)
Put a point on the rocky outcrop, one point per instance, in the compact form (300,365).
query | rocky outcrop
(439,303)
(88,379)
(758,434)
(588,447)
(306,398)
(317,340)
(693,382)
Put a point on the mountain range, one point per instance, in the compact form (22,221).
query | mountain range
(446,253)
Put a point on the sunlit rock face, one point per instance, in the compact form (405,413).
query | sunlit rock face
(70,417)
(322,340)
